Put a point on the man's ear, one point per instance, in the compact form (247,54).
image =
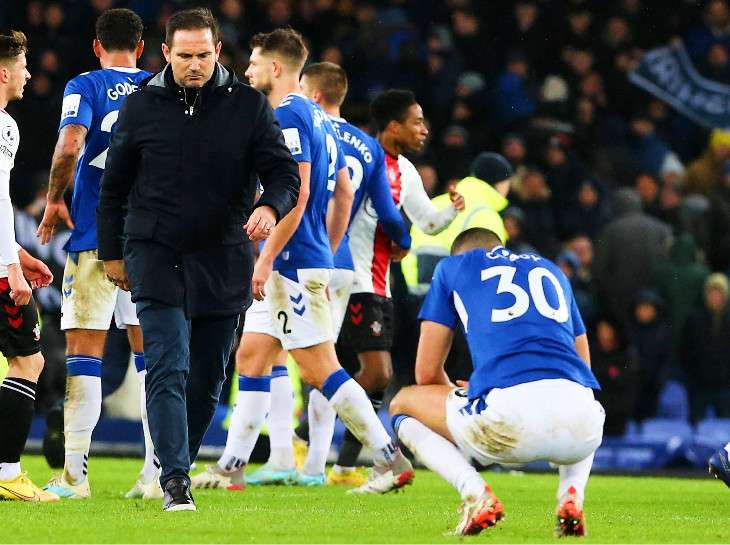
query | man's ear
(140,48)
(218,50)
(393,127)
(277,68)
(97,47)
(4,74)
(166,52)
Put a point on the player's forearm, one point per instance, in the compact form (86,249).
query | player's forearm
(581,346)
(339,216)
(284,230)
(65,155)
(425,215)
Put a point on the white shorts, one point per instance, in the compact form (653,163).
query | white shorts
(555,420)
(90,300)
(296,312)
(339,289)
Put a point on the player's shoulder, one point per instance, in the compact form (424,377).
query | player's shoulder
(296,108)
(85,81)
(408,170)
(7,120)
(296,102)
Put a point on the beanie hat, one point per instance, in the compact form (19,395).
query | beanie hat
(490,167)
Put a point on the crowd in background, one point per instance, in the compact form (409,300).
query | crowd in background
(629,197)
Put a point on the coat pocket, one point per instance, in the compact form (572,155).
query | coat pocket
(139,226)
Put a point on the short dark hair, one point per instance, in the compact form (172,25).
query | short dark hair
(119,29)
(392,105)
(12,44)
(476,237)
(287,42)
(331,81)
(191,19)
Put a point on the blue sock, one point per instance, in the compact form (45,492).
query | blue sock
(139,362)
(333,382)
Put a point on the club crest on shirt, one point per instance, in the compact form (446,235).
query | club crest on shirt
(8,134)
(37,332)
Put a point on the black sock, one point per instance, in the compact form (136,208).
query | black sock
(17,404)
(351,447)
(302,430)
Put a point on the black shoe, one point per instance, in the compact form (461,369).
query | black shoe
(53,448)
(178,496)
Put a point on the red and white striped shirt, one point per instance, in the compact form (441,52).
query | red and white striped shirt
(369,244)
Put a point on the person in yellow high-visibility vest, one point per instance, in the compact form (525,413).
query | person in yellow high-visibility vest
(485,191)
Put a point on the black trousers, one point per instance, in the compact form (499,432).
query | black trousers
(186,366)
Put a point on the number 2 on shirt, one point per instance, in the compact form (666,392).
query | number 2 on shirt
(106,126)
(521,305)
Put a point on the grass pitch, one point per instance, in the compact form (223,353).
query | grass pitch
(619,509)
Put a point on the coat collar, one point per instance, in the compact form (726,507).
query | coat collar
(221,77)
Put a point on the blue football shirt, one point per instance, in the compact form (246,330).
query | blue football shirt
(519,316)
(93,99)
(366,163)
(311,138)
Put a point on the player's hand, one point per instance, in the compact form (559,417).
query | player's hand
(260,223)
(55,213)
(396,252)
(457,199)
(116,273)
(20,291)
(463,384)
(35,271)
(261,273)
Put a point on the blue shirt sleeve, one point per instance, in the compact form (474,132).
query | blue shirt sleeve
(439,303)
(78,103)
(389,216)
(578,326)
(297,134)
(341,161)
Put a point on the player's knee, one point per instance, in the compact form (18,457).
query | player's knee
(29,367)
(399,404)
(311,377)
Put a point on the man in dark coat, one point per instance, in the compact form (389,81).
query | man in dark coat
(183,159)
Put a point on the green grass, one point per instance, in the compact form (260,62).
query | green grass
(620,509)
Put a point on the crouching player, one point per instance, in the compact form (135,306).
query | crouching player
(530,396)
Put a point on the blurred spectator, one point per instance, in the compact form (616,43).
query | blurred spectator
(616,367)
(588,211)
(627,252)
(532,195)
(647,188)
(569,263)
(649,332)
(430,179)
(651,153)
(705,349)
(706,172)
(582,246)
(719,222)
(453,156)
(514,217)
(680,281)
(714,29)
(514,97)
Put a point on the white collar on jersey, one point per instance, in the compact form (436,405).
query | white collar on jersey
(338,119)
(124,69)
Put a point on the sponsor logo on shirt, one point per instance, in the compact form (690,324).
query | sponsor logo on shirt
(70,106)
(293,142)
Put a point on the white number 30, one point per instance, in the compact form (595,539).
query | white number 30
(506,276)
